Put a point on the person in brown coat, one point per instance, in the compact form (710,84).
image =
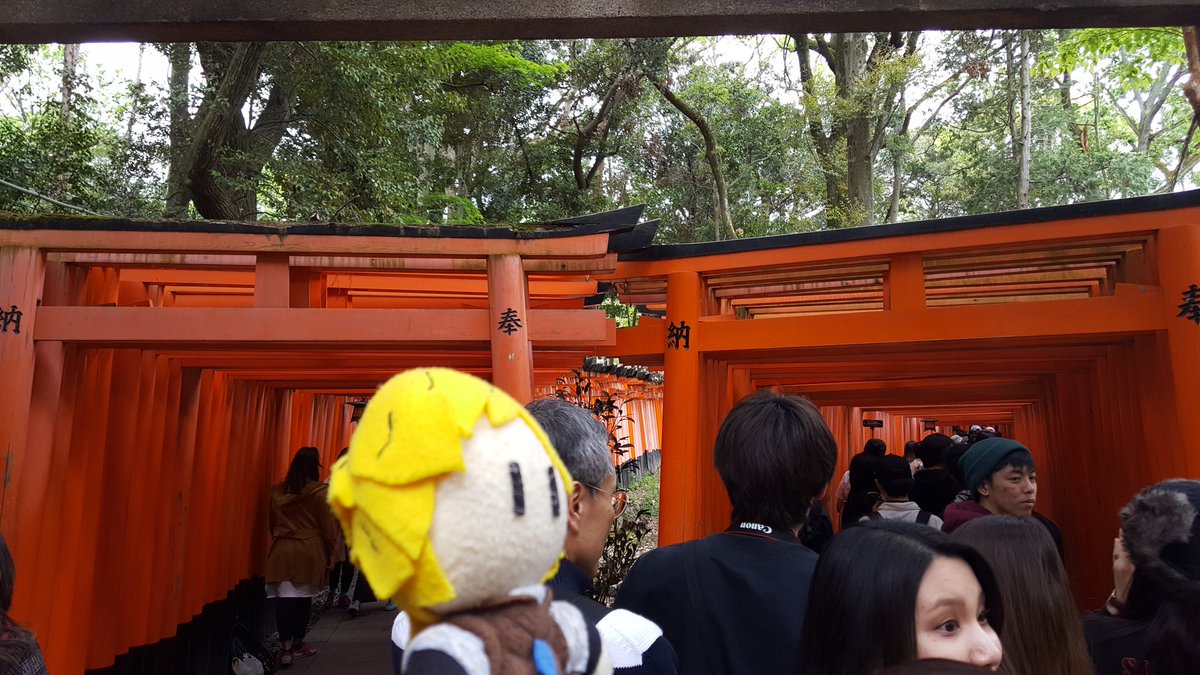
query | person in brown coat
(303,535)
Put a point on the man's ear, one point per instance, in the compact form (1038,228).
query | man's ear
(821,494)
(984,488)
(575,508)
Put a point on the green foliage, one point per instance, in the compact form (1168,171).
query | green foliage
(643,494)
(475,132)
(1131,55)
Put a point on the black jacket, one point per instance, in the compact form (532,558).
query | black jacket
(634,644)
(933,490)
(751,583)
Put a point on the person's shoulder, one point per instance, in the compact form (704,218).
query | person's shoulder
(636,644)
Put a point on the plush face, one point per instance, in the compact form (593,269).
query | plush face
(427,497)
(1010,492)
(501,524)
(951,620)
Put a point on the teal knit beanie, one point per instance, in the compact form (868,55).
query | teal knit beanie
(983,458)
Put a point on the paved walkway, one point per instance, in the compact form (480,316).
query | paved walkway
(347,646)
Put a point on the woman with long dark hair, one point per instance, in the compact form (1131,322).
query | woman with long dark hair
(888,592)
(1044,635)
(303,536)
(19,653)
(1151,622)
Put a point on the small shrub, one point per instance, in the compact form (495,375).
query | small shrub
(620,552)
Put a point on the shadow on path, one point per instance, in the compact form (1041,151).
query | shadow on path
(348,646)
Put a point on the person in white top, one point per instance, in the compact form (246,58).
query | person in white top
(894,479)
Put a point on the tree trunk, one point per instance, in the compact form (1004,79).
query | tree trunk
(178,196)
(69,76)
(1026,124)
(825,143)
(215,122)
(850,51)
(724,219)
(1191,44)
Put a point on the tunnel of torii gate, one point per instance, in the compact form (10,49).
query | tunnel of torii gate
(158,376)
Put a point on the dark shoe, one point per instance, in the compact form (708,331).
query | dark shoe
(354,609)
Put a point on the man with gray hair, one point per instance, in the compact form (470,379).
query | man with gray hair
(635,644)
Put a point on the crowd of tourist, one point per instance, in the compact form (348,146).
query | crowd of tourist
(942,565)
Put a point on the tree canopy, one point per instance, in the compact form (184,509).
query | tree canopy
(719,137)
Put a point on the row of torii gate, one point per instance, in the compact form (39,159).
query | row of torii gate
(158,376)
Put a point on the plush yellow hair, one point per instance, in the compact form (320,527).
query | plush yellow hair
(382,491)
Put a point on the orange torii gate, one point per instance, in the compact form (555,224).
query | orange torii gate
(159,376)
(1062,325)
(163,373)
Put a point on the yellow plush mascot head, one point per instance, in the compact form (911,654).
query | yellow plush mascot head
(450,495)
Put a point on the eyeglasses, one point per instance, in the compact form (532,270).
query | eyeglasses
(620,499)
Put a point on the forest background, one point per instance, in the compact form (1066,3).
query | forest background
(719,137)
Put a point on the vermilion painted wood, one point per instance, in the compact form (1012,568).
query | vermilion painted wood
(586,246)
(148,461)
(512,355)
(683,466)
(275,326)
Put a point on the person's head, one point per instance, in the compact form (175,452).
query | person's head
(932,450)
(1044,634)
(893,477)
(306,466)
(582,443)
(889,592)
(774,454)
(875,446)
(1000,473)
(953,461)
(1161,531)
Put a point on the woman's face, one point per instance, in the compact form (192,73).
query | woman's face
(951,616)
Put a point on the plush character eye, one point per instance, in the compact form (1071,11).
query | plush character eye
(518,488)
(553,493)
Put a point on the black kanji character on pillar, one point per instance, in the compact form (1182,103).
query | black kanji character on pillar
(1190,308)
(510,321)
(10,318)
(679,336)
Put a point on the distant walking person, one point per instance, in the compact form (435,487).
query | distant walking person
(863,490)
(19,653)
(304,534)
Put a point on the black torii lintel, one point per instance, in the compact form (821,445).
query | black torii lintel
(26,21)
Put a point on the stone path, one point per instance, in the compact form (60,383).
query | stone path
(345,646)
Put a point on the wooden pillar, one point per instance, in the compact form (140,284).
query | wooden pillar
(1179,272)
(22,272)
(680,502)
(508,307)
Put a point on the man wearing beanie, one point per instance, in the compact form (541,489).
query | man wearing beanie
(1002,478)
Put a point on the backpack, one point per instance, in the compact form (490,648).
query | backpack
(245,644)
